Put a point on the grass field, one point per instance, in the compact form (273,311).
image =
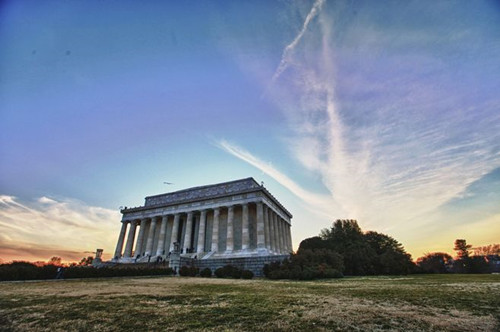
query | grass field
(412,303)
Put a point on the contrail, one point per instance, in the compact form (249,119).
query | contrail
(289,48)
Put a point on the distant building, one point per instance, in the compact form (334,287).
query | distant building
(239,220)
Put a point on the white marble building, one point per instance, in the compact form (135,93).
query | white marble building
(232,219)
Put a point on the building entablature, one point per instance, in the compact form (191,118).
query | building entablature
(145,212)
(207,197)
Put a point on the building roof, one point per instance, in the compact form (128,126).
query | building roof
(207,192)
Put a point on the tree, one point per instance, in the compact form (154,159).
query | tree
(492,249)
(362,253)
(55,260)
(478,264)
(307,264)
(343,232)
(346,238)
(313,243)
(462,248)
(435,262)
(86,261)
(391,257)
(315,257)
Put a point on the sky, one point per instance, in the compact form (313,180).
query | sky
(385,112)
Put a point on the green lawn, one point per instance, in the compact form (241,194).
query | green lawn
(412,303)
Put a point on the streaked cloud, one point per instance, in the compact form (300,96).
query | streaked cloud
(286,57)
(321,204)
(389,161)
(380,112)
(48,227)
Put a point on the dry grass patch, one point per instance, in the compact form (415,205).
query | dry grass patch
(415,303)
(354,313)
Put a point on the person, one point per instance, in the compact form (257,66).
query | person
(60,271)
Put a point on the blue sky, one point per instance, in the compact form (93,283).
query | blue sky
(387,113)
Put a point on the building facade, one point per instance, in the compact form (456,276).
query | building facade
(236,219)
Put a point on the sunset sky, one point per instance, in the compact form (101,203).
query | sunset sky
(385,112)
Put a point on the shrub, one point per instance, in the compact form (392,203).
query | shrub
(306,265)
(247,274)
(188,271)
(28,271)
(228,271)
(219,273)
(184,271)
(206,273)
(235,273)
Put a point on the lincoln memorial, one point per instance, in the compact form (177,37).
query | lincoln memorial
(236,219)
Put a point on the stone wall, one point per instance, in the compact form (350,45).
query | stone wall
(254,264)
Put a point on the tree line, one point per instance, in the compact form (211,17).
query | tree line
(344,249)
(484,259)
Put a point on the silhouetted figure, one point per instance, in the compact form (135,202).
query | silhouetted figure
(60,273)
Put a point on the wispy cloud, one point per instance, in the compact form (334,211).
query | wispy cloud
(322,203)
(393,131)
(286,57)
(47,226)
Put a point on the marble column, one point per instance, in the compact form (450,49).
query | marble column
(272,231)
(285,236)
(280,234)
(121,239)
(160,250)
(189,228)
(230,228)
(149,244)
(215,232)
(175,231)
(266,227)
(245,228)
(260,226)
(290,244)
(276,236)
(140,238)
(130,239)
(201,231)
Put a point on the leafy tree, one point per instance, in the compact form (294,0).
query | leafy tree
(315,242)
(345,248)
(363,253)
(346,238)
(462,248)
(391,257)
(492,249)
(55,260)
(342,233)
(435,262)
(307,264)
(463,261)
(311,257)
(478,264)
(86,261)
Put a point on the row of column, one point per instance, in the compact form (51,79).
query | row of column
(272,232)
